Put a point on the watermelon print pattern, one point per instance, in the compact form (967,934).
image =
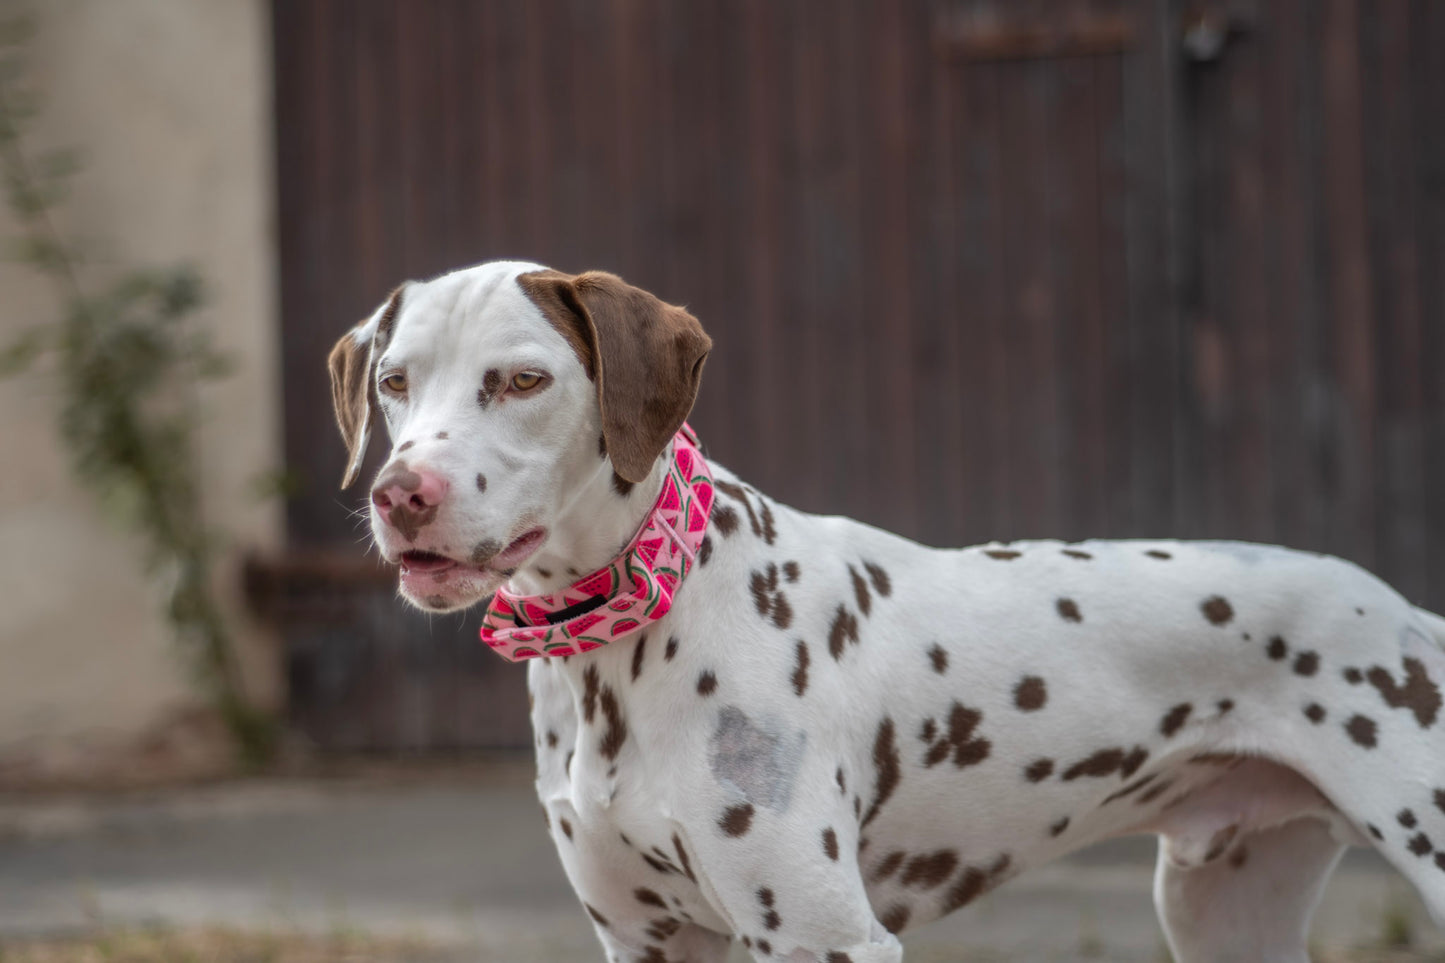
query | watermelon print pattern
(637,586)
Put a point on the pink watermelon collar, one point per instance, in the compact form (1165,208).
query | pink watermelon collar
(635,588)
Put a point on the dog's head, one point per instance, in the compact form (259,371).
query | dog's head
(507,389)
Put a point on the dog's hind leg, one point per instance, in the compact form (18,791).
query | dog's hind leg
(1251,904)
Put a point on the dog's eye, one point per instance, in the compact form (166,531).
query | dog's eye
(526,380)
(394,383)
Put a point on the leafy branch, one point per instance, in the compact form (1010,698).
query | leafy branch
(128,363)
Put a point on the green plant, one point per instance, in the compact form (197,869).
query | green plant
(128,363)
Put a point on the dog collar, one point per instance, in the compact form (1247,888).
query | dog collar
(635,588)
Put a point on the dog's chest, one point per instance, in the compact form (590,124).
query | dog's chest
(607,768)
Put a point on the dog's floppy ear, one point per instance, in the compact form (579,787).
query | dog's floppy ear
(645,355)
(351,364)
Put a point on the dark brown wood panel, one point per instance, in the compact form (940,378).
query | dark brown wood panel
(974,270)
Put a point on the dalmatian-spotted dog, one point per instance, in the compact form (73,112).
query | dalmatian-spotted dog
(817,733)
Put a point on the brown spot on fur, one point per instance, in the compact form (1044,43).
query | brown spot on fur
(621,485)
(616,732)
(881,582)
(895,918)
(1361,730)
(1353,676)
(1058,828)
(404,446)
(842,781)
(648,897)
(601,920)
(1417,693)
(551,739)
(770,601)
(639,652)
(1130,789)
(682,858)
(1075,553)
(670,650)
(1315,713)
(960,741)
(736,820)
(1306,663)
(1440,800)
(1375,831)
(1106,762)
(1155,553)
(441,436)
(485,550)
(725,519)
(843,630)
(1030,694)
(566,827)
(1224,706)
(888,765)
(889,866)
(974,882)
(860,591)
(1217,610)
(1276,649)
(939,657)
(931,870)
(704,551)
(1002,554)
(800,669)
(1039,770)
(928,731)
(706,683)
(1069,610)
(838,956)
(1175,718)
(791,571)
(1420,845)
(830,844)
(590,680)
(491,384)
(1406,818)
(1154,792)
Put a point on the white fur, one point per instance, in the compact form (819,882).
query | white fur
(1122,634)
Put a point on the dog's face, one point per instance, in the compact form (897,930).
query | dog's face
(507,389)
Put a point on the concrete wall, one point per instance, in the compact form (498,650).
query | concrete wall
(169,102)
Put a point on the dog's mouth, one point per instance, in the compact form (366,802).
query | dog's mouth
(442,583)
(425,563)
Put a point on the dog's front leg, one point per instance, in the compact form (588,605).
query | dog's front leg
(791,889)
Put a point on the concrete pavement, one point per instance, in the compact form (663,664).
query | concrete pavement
(462,858)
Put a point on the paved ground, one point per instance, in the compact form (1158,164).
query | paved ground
(463,859)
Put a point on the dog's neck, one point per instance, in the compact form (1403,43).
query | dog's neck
(592,528)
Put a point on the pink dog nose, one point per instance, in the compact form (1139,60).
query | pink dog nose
(409,497)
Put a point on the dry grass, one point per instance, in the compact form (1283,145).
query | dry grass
(220,945)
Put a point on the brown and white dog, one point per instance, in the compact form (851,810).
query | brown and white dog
(836,733)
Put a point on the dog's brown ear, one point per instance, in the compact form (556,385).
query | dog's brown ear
(353,395)
(645,355)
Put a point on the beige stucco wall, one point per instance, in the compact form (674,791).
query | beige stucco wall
(169,103)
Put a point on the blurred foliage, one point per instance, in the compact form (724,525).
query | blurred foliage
(128,363)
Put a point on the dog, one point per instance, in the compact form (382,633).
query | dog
(809,734)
